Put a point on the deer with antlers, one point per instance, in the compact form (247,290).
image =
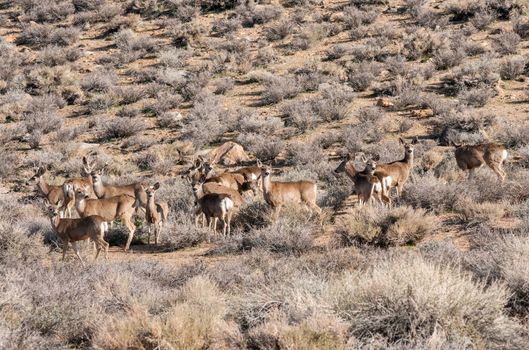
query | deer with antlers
(121,206)
(70,231)
(366,184)
(277,193)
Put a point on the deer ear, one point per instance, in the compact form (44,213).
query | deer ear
(363,158)
(376,157)
(401,140)
(415,140)
(60,203)
(259,164)
(156,186)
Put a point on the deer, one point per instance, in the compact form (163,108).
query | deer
(52,193)
(202,188)
(251,176)
(366,184)
(395,174)
(142,201)
(277,193)
(73,230)
(469,158)
(72,185)
(219,206)
(154,214)
(122,207)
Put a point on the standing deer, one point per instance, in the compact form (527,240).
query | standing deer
(53,194)
(277,193)
(469,158)
(73,230)
(154,215)
(395,174)
(366,184)
(121,207)
(217,202)
(70,186)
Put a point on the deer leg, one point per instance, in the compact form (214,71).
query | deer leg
(76,249)
(98,249)
(130,226)
(157,229)
(499,172)
(149,236)
(64,248)
(229,223)
(276,212)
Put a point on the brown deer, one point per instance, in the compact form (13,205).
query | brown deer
(122,207)
(161,206)
(395,174)
(366,184)
(469,158)
(251,176)
(154,214)
(73,230)
(277,193)
(202,188)
(217,202)
(72,185)
(53,194)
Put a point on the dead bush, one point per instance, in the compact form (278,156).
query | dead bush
(101,80)
(501,258)
(43,34)
(512,67)
(380,227)
(205,122)
(279,31)
(405,295)
(45,11)
(300,114)
(507,43)
(334,101)
(117,128)
(264,148)
(476,97)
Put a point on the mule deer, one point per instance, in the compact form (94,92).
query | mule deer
(53,194)
(202,188)
(366,184)
(395,174)
(277,193)
(73,230)
(121,207)
(469,158)
(72,185)
(154,215)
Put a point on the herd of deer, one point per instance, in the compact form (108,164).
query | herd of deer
(219,194)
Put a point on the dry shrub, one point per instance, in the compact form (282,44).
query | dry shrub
(408,301)
(319,331)
(382,227)
(432,193)
(334,101)
(264,148)
(512,67)
(159,158)
(503,258)
(117,128)
(479,213)
(507,43)
(300,114)
(291,234)
(206,121)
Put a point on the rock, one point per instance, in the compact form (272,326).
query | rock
(422,113)
(229,153)
(384,102)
